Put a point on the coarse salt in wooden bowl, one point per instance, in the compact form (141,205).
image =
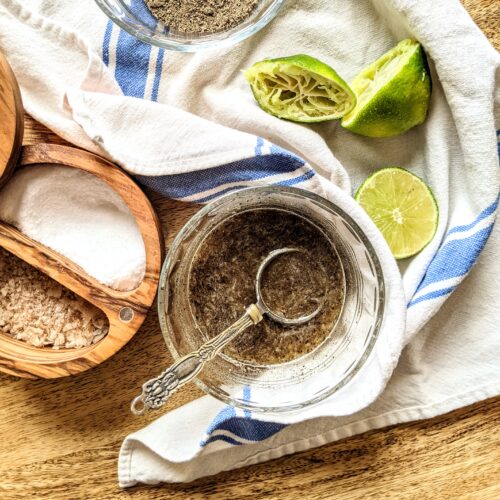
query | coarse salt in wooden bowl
(125,310)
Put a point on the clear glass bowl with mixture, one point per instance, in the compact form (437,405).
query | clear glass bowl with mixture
(134,17)
(311,377)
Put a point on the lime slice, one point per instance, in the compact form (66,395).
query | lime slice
(402,207)
(393,93)
(300,88)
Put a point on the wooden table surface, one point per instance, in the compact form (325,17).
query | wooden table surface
(60,438)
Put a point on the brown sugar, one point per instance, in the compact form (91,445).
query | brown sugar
(37,310)
(222,284)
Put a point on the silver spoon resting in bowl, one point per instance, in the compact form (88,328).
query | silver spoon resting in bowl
(155,392)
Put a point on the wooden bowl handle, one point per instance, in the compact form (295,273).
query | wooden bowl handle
(67,273)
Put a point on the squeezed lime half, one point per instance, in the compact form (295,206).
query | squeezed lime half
(403,207)
(392,93)
(300,88)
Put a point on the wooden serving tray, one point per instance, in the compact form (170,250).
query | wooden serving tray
(125,311)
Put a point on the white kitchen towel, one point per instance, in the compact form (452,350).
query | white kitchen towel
(187,126)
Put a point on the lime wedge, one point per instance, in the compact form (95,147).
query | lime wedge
(300,88)
(392,93)
(402,207)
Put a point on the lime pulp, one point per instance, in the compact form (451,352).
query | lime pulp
(300,88)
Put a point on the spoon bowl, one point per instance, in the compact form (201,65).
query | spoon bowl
(268,311)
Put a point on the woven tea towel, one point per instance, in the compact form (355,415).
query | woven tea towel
(187,126)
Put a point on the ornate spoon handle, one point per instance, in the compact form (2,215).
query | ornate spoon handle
(156,391)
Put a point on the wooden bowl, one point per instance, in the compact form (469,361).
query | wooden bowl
(125,311)
(11,121)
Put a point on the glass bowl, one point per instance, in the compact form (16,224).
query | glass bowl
(306,380)
(134,17)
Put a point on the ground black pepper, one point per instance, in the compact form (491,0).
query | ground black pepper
(201,16)
(294,285)
(222,284)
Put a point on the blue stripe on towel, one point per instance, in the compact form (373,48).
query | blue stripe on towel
(432,295)
(132,57)
(211,197)
(452,260)
(156,82)
(288,182)
(230,428)
(296,180)
(247,392)
(226,413)
(182,185)
(258,146)
(132,64)
(249,429)
(485,213)
(106,41)
(227,439)
(139,8)
(242,428)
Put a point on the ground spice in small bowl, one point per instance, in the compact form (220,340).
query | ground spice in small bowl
(39,311)
(201,16)
(222,284)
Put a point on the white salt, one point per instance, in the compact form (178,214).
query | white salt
(79,216)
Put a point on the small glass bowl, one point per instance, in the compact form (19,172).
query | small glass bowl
(134,17)
(306,380)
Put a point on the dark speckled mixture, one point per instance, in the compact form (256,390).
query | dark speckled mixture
(223,275)
(293,285)
(201,16)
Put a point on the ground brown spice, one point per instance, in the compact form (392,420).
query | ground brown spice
(294,285)
(37,310)
(201,16)
(223,275)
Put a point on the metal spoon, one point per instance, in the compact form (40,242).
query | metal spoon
(155,392)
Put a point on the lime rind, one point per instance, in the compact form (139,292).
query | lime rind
(300,88)
(403,207)
(393,93)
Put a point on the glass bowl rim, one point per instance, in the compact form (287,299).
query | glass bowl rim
(237,36)
(356,366)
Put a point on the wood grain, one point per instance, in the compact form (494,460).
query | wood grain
(60,438)
(11,124)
